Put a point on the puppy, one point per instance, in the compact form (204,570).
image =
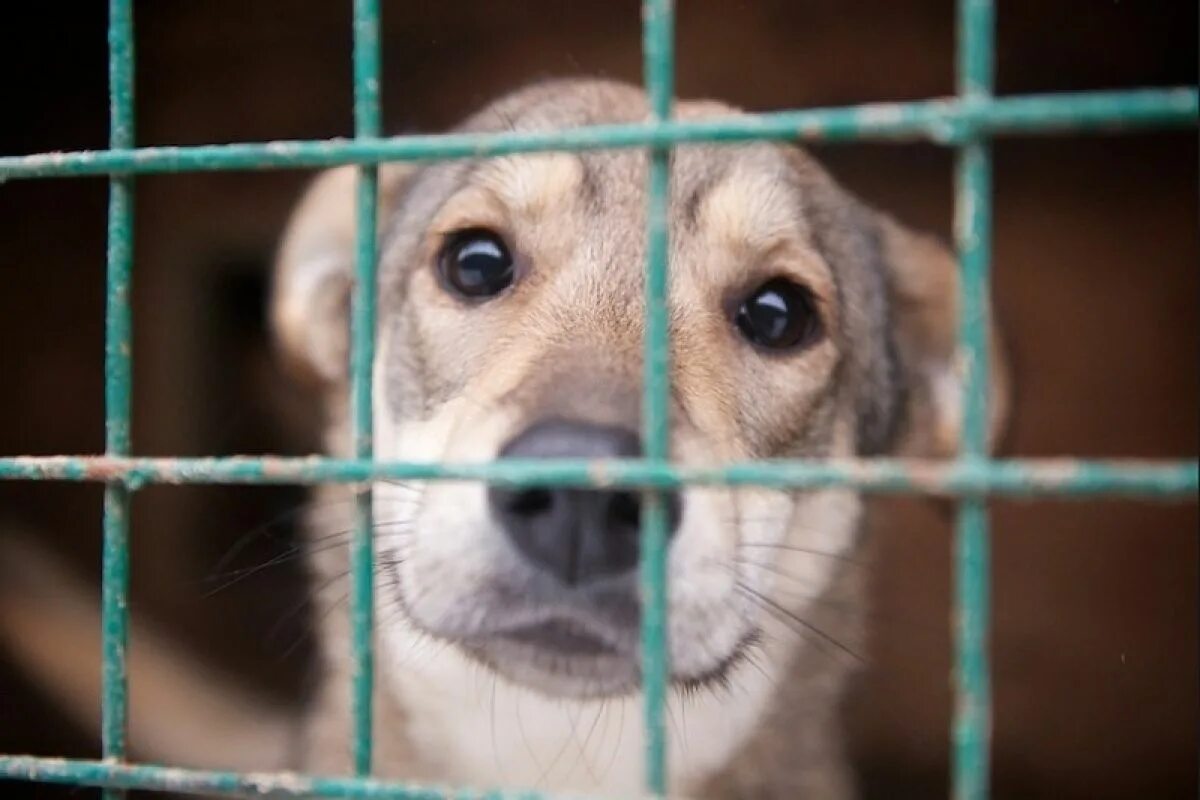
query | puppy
(803,324)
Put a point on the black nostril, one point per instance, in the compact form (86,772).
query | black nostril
(625,510)
(575,534)
(530,502)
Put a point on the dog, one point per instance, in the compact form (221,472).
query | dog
(803,324)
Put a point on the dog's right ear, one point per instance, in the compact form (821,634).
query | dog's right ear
(314,271)
(923,277)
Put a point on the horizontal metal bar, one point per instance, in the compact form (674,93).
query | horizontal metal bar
(944,121)
(1019,477)
(253,784)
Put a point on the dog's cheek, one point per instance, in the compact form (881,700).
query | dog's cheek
(707,534)
(400,371)
(814,550)
(705,625)
(434,345)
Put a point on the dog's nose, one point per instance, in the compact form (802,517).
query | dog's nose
(578,535)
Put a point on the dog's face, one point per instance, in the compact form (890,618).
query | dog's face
(511,325)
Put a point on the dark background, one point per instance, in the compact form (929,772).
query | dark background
(1096,253)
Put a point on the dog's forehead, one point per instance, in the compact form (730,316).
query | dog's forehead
(756,176)
(752,187)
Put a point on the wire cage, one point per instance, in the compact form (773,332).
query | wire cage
(966,122)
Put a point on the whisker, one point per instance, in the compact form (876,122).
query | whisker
(293,552)
(264,529)
(311,595)
(792,548)
(752,656)
(587,762)
(345,532)
(290,649)
(573,719)
(612,762)
(400,484)
(289,515)
(784,615)
(849,607)
(525,737)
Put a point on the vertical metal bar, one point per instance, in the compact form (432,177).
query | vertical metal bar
(118,377)
(972,719)
(658,30)
(362,567)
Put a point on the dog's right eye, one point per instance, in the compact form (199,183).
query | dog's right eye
(476,263)
(779,315)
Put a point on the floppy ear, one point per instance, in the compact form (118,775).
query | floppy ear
(923,286)
(314,271)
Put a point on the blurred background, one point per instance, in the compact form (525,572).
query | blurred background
(1096,254)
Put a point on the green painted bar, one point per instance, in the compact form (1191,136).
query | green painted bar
(971,731)
(972,723)
(118,387)
(114,625)
(973,240)
(972,719)
(658,50)
(943,121)
(1176,481)
(78,772)
(976,33)
(362,558)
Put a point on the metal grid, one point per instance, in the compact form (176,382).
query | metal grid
(967,122)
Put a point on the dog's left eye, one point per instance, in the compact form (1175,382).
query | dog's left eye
(476,263)
(779,315)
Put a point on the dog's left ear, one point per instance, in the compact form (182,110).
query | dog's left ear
(314,271)
(923,284)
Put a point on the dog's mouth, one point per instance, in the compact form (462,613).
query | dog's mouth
(561,656)
(562,637)
(567,657)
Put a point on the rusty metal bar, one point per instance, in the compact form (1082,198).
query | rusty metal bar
(118,393)
(362,358)
(942,121)
(972,727)
(1170,480)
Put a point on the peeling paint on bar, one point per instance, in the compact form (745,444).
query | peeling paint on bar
(658,48)
(972,728)
(367,126)
(118,393)
(942,121)
(250,784)
(1171,480)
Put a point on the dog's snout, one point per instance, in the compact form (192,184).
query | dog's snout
(577,535)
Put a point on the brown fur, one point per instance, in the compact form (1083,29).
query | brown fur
(766,605)
(766,608)
(566,339)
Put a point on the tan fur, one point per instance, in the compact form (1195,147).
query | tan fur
(762,589)
(455,381)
